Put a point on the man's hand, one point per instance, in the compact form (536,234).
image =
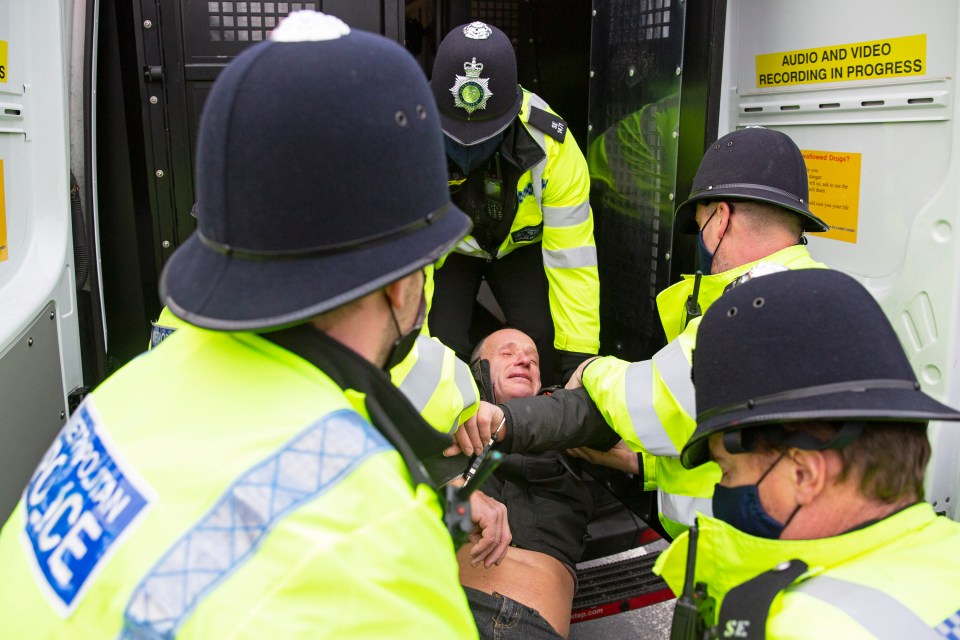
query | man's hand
(491,535)
(474,434)
(576,380)
(619,457)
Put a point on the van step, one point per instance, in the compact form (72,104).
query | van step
(618,583)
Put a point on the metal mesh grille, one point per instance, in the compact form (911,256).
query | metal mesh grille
(634,111)
(505,14)
(248,21)
(647,20)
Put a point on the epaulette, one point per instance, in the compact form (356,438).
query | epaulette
(746,607)
(550,123)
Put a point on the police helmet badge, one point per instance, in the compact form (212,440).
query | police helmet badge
(477,31)
(471,92)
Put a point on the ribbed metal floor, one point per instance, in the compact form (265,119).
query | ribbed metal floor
(619,583)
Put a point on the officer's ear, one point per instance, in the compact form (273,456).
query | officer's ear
(724,212)
(395,292)
(812,473)
(406,289)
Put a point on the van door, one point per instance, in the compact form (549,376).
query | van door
(39,337)
(867,90)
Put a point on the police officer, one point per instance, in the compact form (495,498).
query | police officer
(749,205)
(258,475)
(518,173)
(819,530)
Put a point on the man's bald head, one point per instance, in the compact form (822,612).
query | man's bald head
(514,364)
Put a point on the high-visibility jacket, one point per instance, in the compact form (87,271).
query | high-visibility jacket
(651,403)
(437,383)
(224,487)
(897,578)
(553,208)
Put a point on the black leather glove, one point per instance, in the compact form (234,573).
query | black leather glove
(569,361)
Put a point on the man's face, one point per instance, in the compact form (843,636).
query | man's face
(514,364)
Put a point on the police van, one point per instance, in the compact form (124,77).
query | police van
(100,102)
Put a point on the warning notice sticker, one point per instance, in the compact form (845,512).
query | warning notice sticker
(3,60)
(3,217)
(834,179)
(890,58)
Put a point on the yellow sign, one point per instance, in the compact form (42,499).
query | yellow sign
(3,60)
(3,218)
(834,179)
(890,58)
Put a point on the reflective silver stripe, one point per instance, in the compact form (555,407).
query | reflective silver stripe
(879,613)
(422,380)
(469,246)
(638,389)
(566,216)
(674,369)
(468,390)
(232,530)
(573,258)
(683,509)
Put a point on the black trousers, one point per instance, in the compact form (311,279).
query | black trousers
(518,283)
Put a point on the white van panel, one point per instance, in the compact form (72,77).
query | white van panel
(793,66)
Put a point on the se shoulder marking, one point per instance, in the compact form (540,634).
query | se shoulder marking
(551,124)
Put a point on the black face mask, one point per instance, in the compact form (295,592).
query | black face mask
(741,507)
(704,255)
(469,157)
(402,346)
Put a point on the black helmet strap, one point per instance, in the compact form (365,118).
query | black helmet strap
(735,186)
(852,386)
(744,440)
(316,252)
(848,432)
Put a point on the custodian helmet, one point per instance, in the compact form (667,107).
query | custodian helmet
(474,82)
(757,361)
(321,175)
(752,164)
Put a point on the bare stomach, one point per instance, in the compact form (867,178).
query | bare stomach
(533,578)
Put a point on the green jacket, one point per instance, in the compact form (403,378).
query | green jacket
(897,578)
(223,487)
(651,403)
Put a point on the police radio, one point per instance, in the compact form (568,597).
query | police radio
(693,303)
(693,612)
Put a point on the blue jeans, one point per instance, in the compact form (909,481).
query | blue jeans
(501,618)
